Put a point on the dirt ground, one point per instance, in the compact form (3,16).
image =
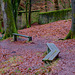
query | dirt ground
(25,58)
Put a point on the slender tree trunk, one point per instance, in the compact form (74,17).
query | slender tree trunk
(30,13)
(0,18)
(56,5)
(26,13)
(64,4)
(69,4)
(15,5)
(0,11)
(71,33)
(27,23)
(46,5)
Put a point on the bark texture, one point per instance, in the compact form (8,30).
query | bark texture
(71,33)
(28,15)
(15,5)
(11,28)
(4,15)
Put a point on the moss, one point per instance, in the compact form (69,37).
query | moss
(28,11)
(45,53)
(54,11)
(11,27)
(0,27)
(34,18)
(71,35)
(53,16)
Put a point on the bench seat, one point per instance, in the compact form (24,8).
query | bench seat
(53,52)
(15,36)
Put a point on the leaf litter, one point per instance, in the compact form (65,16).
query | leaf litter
(25,58)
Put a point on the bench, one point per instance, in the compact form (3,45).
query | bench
(52,51)
(15,37)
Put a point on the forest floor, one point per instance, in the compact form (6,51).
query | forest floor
(25,58)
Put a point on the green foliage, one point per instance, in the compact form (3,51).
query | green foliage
(29,69)
(5,0)
(3,72)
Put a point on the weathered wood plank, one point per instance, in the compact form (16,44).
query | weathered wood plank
(53,51)
(53,56)
(47,56)
(52,46)
(21,35)
(15,36)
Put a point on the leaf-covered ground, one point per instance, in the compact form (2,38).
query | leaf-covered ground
(25,58)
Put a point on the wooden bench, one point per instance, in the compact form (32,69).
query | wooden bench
(53,52)
(15,37)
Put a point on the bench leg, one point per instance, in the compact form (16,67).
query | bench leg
(48,50)
(30,39)
(14,37)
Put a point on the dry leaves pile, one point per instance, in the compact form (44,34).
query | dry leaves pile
(25,58)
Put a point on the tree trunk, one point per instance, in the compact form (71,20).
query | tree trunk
(71,33)
(4,15)
(30,13)
(27,23)
(46,5)
(11,28)
(69,4)
(56,5)
(0,27)
(15,5)
(0,11)
(0,18)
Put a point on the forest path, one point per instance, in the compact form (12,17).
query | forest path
(32,52)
